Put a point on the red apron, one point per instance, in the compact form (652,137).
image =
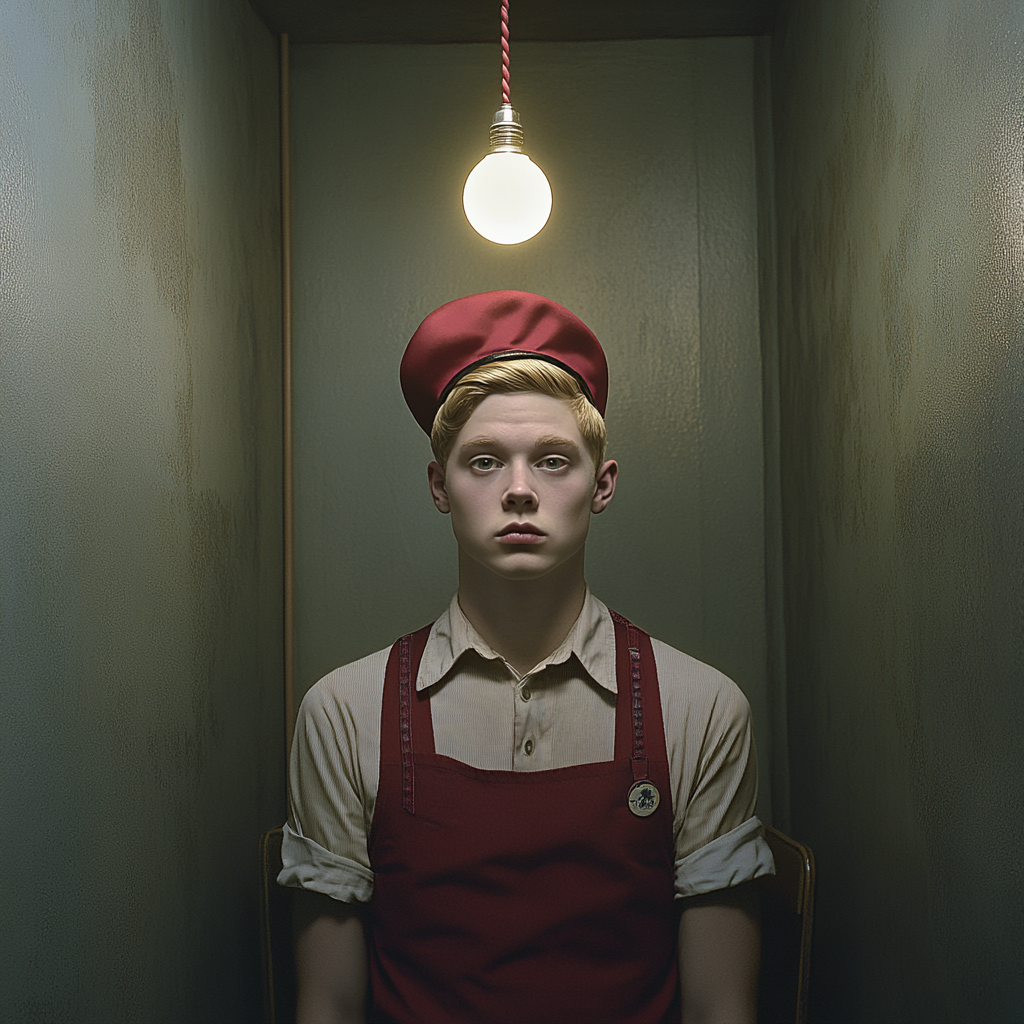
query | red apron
(522,896)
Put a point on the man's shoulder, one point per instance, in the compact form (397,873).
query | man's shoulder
(357,687)
(685,668)
(684,679)
(359,684)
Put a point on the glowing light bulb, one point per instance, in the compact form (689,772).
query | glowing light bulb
(507,198)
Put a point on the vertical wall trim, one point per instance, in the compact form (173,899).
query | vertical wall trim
(286,400)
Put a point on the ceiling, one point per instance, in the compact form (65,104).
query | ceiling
(476,21)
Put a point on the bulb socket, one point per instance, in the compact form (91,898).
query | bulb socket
(506,131)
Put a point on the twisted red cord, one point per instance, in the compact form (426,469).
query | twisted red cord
(504,53)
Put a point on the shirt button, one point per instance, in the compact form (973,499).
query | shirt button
(528,747)
(525,693)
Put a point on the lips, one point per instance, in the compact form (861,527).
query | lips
(521,530)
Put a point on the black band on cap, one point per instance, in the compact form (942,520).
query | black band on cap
(509,356)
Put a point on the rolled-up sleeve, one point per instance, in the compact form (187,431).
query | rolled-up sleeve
(739,856)
(308,865)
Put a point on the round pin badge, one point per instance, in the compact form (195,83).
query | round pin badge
(643,798)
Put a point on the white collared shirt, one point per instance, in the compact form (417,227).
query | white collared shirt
(560,713)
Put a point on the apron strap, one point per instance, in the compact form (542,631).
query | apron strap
(632,650)
(401,710)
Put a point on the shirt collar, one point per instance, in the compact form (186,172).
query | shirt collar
(591,639)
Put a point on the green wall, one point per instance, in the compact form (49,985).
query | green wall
(899,137)
(649,147)
(804,260)
(140,664)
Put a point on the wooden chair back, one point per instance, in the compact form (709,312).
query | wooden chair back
(787,915)
(276,934)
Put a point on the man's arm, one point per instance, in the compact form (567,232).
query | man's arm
(719,955)
(330,960)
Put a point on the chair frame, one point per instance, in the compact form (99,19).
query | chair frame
(275,916)
(792,889)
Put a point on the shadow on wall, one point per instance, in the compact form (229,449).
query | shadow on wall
(901,326)
(141,710)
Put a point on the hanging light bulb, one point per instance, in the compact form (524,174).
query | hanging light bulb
(507,198)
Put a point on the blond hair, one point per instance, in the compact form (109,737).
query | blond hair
(510,377)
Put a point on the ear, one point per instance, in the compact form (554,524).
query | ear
(607,477)
(438,493)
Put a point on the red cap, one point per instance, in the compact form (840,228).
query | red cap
(463,334)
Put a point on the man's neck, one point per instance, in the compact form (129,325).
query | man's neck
(522,620)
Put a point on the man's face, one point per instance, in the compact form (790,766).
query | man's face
(520,486)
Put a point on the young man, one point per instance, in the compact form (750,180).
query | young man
(529,811)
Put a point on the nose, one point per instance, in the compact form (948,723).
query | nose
(520,493)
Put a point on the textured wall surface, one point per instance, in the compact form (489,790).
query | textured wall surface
(900,200)
(652,241)
(140,709)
